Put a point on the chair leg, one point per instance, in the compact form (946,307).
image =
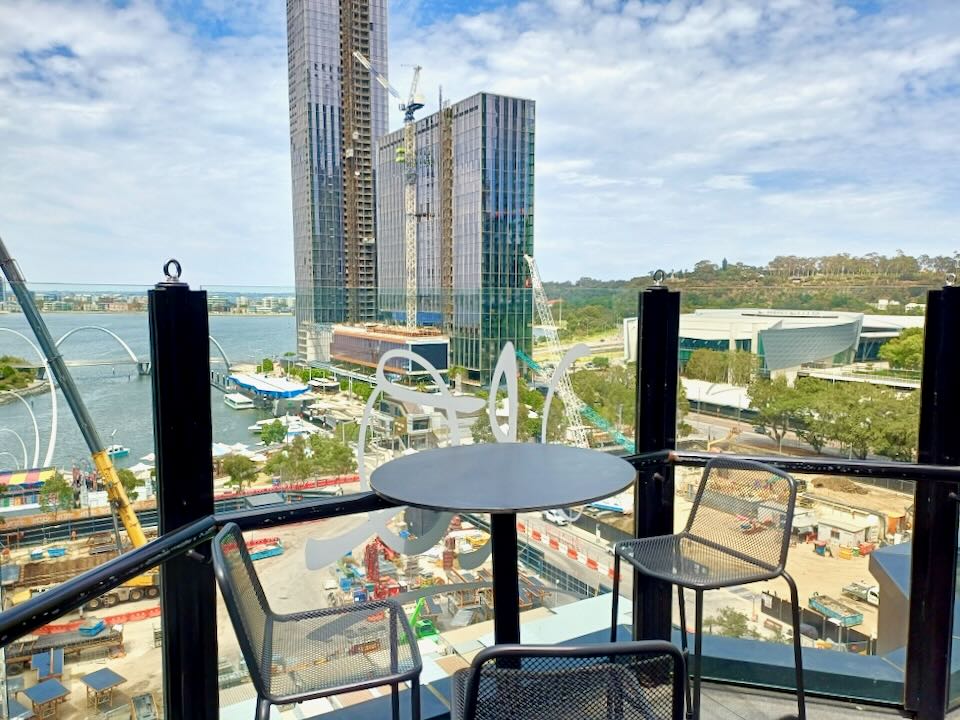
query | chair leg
(616,596)
(415,698)
(797,653)
(697,655)
(683,645)
(263,709)
(395,701)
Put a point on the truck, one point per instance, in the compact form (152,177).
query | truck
(31,578)
(19,652)
(836,610)
(870,594)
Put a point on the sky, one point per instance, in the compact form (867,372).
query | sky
(667,132)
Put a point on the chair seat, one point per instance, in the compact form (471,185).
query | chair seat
(321,652)
(683,560)
(591,691)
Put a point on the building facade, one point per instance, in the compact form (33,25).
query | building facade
(336,116)
(474,225)
(783,340)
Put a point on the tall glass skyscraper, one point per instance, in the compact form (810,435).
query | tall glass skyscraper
(474,226)
(336,116)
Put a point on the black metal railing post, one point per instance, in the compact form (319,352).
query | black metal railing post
(180,359)
(934,552)
(658,325)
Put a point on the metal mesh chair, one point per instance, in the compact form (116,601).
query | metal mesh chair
(738,532)
(307,655)
(625,681)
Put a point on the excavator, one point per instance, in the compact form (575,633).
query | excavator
(144,585)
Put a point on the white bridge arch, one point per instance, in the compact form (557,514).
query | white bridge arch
(133,355)
(219,347)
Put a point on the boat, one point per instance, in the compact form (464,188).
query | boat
(238,401)
(118,451)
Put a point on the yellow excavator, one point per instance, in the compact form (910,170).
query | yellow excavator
(143,585)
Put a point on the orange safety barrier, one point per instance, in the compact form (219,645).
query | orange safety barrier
(536,535)
(554,545)
(572,553)
(120,619)
(592,564)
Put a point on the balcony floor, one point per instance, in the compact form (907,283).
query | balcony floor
(724,702)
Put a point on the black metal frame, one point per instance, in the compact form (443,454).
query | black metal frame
(254,664)
(658,324)
(183,434)
(515,653)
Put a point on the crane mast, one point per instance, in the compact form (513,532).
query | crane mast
(572,405)
(102,461)
(413,103)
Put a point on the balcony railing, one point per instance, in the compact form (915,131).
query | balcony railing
(915,678)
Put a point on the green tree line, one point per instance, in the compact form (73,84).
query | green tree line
(861,418)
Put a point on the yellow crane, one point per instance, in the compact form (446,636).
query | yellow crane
(101,459)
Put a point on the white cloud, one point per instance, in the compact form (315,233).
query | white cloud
(728,182)
(666,131)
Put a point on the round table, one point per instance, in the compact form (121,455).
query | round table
(502,479)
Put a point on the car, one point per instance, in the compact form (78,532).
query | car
(556,517)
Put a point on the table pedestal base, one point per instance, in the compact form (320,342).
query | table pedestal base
(506,601)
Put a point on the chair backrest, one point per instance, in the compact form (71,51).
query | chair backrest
(628,681)
(243,595)
(745,507)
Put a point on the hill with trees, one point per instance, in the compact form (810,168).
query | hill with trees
(835,282)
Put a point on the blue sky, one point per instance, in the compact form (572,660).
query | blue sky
(667,132)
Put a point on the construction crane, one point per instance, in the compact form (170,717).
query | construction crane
(408,157)
(571,403)
(102,461)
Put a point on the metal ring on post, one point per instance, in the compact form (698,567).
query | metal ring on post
(172,278)
(658,277)
(951,279)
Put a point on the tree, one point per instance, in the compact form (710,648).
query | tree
(683,408)
(129,482)
(906,351)
(601,361)
(273,433)
(56,494)
(292,464)
(816,412)
(742,365)
(267,365)
(331,457)
(731,623)
(241,470)
(708,365)
(775,402)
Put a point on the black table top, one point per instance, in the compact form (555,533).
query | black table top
(502,477)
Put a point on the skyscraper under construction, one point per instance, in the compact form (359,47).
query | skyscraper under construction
(474,226)
(337,114)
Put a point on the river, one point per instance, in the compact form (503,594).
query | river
(117,397)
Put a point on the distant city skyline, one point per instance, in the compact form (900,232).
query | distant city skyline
(667,132)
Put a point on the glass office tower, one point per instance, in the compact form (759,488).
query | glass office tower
(336,116)
(474,226)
